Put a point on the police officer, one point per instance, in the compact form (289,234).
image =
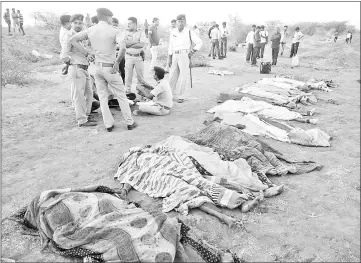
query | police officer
(103,39)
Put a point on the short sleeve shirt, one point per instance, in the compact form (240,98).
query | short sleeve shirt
(137,35)
(296,37)
(163,94)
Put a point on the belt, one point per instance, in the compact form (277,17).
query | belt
(180,51)
(101,64)
(80,66)
(133,55)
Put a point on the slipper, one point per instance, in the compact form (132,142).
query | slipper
(180,100)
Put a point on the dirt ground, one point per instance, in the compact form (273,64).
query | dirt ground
(316,219)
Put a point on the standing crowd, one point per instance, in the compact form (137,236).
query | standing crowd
(14,20)
(115,55)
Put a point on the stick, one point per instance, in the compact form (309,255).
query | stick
(190,70)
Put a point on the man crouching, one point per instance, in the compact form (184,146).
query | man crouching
(161,96)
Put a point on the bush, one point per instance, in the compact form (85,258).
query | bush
(48,20)
(13,71)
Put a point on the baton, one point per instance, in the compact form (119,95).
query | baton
(190,71)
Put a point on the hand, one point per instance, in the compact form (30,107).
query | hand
(115,68)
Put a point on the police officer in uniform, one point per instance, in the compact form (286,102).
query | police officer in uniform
(103,40)
(135,41)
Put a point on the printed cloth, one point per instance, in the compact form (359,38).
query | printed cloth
(164,172)
(94,225)
(231,144)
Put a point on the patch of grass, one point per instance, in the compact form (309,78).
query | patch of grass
(13,71)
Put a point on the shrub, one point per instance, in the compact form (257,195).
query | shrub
(48,20)
(13,71)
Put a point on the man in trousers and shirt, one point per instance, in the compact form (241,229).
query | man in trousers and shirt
(7,19)
(146,26)
(276,39)
(153,42)
(135,41)
(256,46)
(284,36)
(213,24)
(161,96)
(173,26)
(215,37)
(21,22)
(297,36)
(103,40)
(180,51)
(249,41)
(81,89)
(15,18)
(264,40)
(224,37)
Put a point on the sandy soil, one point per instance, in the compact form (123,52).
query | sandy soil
(316,219)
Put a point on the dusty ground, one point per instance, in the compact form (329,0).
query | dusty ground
(316,219)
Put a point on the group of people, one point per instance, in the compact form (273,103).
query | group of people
(103,44)
(218,37)
(14,20)
(348,36)
(257,40)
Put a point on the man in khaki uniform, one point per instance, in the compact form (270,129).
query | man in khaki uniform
(179,52)
(81,90)
(103,39)
(135,41)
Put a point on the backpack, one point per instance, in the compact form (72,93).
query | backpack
(265,68)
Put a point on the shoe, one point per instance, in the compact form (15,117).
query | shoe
(110,128)
(221,58)
(133,126)
(87,124)
(180,100)
(214,57)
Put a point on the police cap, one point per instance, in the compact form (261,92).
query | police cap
(104,11)
(181,17)
(76,17)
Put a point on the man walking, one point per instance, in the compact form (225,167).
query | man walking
(297,36)
(180,51)
(224,37)
(146,26)
(81,89)
(21,21)
(213,24)
(264,40)
(103,39)
(284,36)
(256,46)
(173,26)
(7,19)
(249,42)
(153,42)
(276,38)
(15,18)
(135,42)
(215,37)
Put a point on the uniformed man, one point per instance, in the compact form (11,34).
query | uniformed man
(172,26)
(122,63)
(135,41)
(103,40)
(81,90)
(179,52)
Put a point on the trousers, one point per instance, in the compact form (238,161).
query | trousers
(263,45)
(152,108)
(249,52)
(81,93)
(294,49)
(275,51)
(255,54)
(179,73)
(224,46)
(154,53)
(22,29)
(131,63)
(215,48)
(105,83)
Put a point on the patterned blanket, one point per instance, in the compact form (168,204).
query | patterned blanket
(94,225)
(231,144)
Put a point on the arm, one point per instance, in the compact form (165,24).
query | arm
(77,38)
(197,41)
(151,42)
(65,49)
(170,49)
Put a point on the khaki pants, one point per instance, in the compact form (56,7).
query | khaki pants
(130,64)
(152,108)
(179,72)
(154,52)
(81,93)
(106,82)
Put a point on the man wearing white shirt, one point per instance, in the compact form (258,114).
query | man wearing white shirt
(249,42)
(215,37)
(173,26)
(284,36)
(297,36)
(264,39)
(348,37)
(179,51)
(224,36)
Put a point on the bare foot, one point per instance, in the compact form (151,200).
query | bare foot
(274,190)
(248,205)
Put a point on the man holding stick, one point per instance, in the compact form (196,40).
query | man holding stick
(180,52)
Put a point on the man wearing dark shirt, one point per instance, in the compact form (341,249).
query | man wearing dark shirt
(256,46)
(213,24)
(153,42)
(276,39)
(7,19)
